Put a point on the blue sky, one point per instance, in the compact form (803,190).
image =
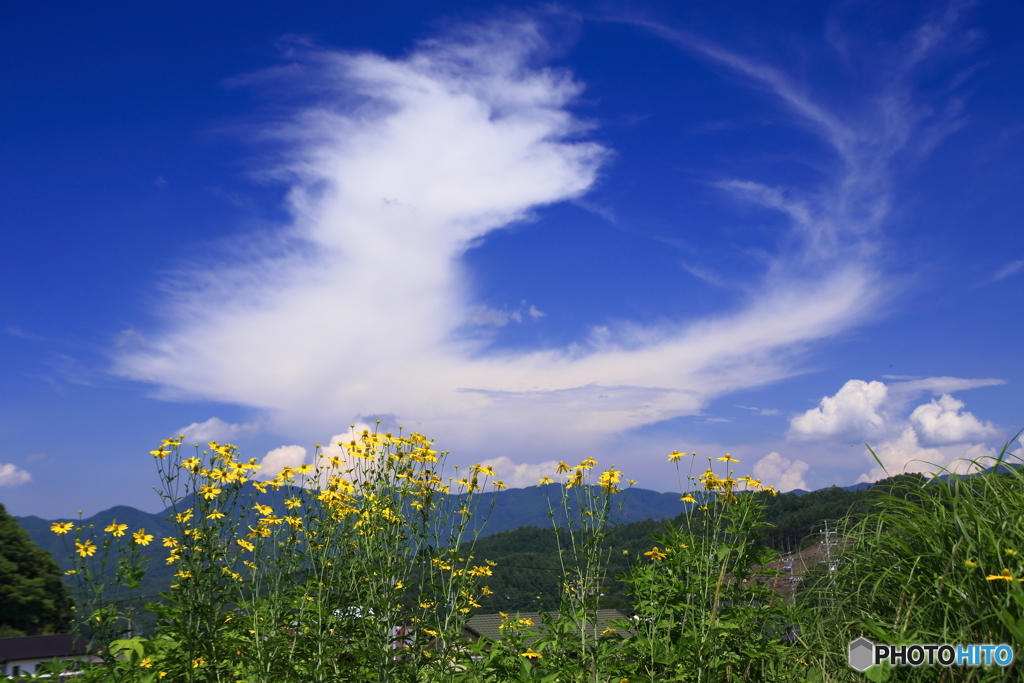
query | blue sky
(533,232)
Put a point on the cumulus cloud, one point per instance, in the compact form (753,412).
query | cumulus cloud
(216,429)
(10,475)
(782,473)
(279,458)
(854,408)
(905,454)
(943,420)
(935,435)
(521,475)
(397,166)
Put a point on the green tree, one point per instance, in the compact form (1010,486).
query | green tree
(33,597)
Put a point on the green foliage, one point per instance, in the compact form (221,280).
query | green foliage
(33,597)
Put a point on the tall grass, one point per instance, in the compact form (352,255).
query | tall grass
(934,561)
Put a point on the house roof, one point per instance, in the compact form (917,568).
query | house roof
(487,625)
(41,647)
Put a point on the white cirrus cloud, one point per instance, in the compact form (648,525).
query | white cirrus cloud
(782,473)
(856,408)
(944,420)
(11,475)
(397,166)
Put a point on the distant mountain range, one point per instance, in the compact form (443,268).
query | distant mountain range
(513,508)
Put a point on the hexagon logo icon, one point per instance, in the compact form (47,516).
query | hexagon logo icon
(861,654)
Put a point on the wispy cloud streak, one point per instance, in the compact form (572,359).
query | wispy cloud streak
(402,164)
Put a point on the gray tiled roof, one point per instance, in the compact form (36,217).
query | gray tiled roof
(487,625)
(40,647)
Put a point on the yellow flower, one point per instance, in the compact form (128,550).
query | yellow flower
(1004,575)
(547,480)
(216,514)
(1008,551)
(499,484)
(170,542)
(607,630)
(209,492)
(674,456)
(292,503)
(688,499)
(86,549)
(183,517)
(196,663)
(562,467)
(588,464)
(61,528)
(608,479)
(141,537)
(191,464)
(70,572)
(969,563)
(530,654)
(162,674)
(245,544)
(263,509)
(146,662)
(486,590)
(159,453)
(727,458)
(261,486)
(655,554)
(304,469)
(116,529)
(429,632)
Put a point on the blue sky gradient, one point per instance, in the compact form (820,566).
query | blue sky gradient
(534,233)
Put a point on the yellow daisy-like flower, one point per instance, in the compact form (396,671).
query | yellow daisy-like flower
(146,662)
(61,528)
(70,572)
(263,509)
(292,503)
(688,499)
(216,514)
(86,549)
(1004,575)
(304,469)
(196,663)
(655,554)
(562,467)
(589,463)
(170,542)
(674,456)
(260,486)
(209,492)
(183,517)
(499,484)
(530,654)
(970,563)
(191,464)
(245,544)
(727,458)
(116,529)
(547,480)
(1010,551)
(141,537)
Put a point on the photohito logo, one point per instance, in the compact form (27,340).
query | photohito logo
(863,654)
